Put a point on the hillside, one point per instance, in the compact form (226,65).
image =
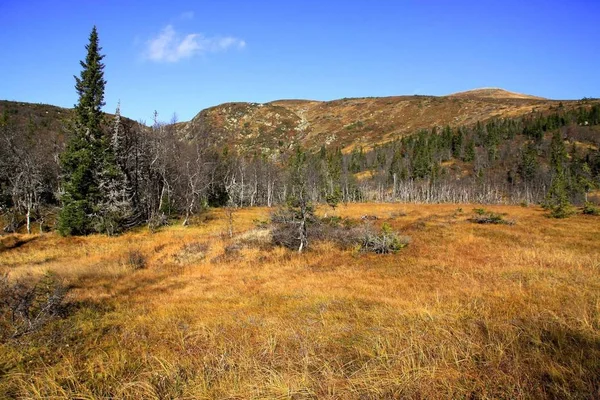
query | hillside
(280,125)
(43,118)
(494,93)
(346,123)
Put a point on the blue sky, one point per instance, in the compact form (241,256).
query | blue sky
(183,56)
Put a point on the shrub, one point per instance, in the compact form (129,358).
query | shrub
(26,308)
(156,221)
(135,259)
(387,241)
(561,211)
(591,209)
(292,226)
(286,235)
(488,217)
(345,233)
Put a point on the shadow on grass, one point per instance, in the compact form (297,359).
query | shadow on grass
(12,242)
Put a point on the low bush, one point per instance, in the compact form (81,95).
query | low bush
(487,217)
(135,259)
(156,221)
(344,232)
(591,209)
(25,308)
(288,224)
(561,212)
(385,242)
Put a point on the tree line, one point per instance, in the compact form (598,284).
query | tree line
(113,173)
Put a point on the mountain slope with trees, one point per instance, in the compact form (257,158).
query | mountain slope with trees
(278,126)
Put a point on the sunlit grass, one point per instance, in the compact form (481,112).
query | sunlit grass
(466,310)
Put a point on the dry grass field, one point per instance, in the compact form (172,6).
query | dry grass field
(465,311)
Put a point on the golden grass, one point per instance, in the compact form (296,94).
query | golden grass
(466,310)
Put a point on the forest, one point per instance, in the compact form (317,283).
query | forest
(161,176)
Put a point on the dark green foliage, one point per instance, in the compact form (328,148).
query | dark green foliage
(469,155)
(457,143)
(528,163)
(83,158)
(558,152)
(557,200)
(334,198)
(217,195)
(90,88)
(422,155)
(332,176)
(74,217)
(357,160)
(591,209)
(488,217)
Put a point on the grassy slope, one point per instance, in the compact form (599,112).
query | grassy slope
(486,311)
(346,123)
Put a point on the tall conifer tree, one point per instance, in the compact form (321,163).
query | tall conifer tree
(84,152)
(557,200)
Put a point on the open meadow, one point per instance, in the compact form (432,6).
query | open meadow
(466,310)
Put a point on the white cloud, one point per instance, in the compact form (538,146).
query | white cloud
(170,46)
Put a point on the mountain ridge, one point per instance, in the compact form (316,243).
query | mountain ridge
(277,126)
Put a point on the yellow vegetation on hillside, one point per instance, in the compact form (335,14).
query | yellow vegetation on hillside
(465,311)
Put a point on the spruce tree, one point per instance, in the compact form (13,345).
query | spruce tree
(84,152)
(334,176)
(114,206)
(557,200)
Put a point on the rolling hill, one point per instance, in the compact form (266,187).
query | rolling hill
(346,123)
(277,126)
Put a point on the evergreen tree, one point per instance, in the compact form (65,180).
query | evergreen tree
(528,164)
(396,164)
(469,154)
(83,156)
(114,205)
(457,143)
(422,156)
(557,200)
(334,174)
